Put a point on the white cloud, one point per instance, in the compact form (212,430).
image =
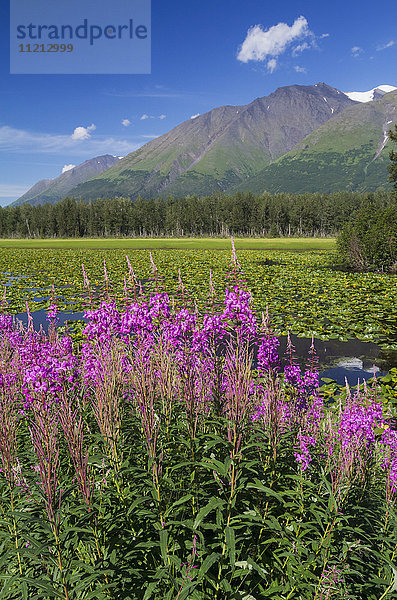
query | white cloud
(195,116)
(356,51)
(20,140)
(67,168)
(272,64)
(300,48)
(384,46)
(300,69)
(145,116)
(83,133)
(260,44)
(126,122)
(324,35)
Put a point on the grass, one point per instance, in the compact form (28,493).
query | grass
(179,243)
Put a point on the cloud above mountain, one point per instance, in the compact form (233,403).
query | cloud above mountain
(266,45)
(21,140)
(145,116)
(68,168)
(384,46)
(83,133)
(356,51)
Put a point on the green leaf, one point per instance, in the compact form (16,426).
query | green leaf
(150,589)
(211,505)
(207,564)
(260,570)
(182,500)
(258,485)
(231,544)
(163,546)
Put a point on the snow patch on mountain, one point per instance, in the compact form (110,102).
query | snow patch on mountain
(373,94)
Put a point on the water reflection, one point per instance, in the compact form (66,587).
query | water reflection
(341,361)
(40,318)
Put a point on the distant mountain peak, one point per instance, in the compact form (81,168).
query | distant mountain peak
(221,147)
(53,190)
(374,94)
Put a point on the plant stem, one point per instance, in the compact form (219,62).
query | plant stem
(15,529)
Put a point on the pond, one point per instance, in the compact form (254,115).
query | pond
(39,318)
(343,361)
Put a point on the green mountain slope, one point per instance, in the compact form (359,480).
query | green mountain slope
(349,152)
(221,148)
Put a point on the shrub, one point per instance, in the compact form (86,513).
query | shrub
(369,241)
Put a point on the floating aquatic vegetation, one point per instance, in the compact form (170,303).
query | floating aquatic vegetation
(303,292)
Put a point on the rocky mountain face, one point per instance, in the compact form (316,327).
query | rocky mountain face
(34,191)
(221,148)
(299,138)
(349,152)
(52,190)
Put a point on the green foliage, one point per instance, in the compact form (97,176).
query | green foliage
(369,240)
(393,157)
(243,213)
(321,172)
(269,535)
(215,525)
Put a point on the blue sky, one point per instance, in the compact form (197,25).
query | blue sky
(204,54)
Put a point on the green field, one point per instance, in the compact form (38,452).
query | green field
(181,243)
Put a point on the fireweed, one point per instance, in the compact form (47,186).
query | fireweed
(167,437)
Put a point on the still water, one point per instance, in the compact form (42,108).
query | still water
(341,361)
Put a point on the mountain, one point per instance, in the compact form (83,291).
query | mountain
(349,152)
(221,148)
(52,190)
(298,139)
(373,94)
(34,191)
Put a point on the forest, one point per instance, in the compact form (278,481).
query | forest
(218,215)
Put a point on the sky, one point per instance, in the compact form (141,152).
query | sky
(204,54)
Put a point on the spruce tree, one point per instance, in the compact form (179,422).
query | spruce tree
(393,157)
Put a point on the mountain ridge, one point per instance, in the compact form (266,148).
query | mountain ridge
(349,153)
(52,190)
(298,138)
(221,147)
(374,94)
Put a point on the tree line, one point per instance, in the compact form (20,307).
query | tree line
(218,214)
(368,240)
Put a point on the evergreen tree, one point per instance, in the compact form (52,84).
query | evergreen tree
(393,157)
